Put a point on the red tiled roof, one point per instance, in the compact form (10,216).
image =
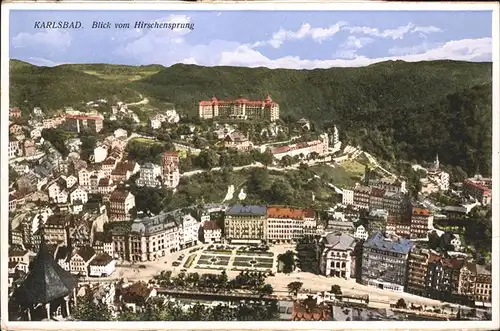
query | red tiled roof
(310,311)
(420,211)
(309,213)
(477,184)
(284,212)
(266,103)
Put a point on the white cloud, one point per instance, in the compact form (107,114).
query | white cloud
(348,49)
(321,34)
(426,29)
(305,31)
(464,50)
(50,38)
(357,43)
(415,49)
(396,33)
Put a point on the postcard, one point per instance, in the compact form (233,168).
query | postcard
(250,166)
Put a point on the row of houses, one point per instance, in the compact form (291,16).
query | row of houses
(390,262)
(83,261)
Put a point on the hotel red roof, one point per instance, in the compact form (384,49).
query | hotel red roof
(267,102)
(284,212)
(420,211)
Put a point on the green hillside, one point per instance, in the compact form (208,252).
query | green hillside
(394,109)
(116,72)
(55,87)
(322,93)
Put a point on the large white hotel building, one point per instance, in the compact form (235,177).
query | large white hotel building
(240,108)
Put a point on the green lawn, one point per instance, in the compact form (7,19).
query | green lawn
(144,141)
(189,260)
(339,176)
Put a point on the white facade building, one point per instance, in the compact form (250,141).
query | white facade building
(361,233)
(100,153)
(348,197)
(189,231)
(337,258)
(102,265)
(150,175)
(78,195)
(211,232)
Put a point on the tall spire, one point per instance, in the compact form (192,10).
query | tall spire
(436,163)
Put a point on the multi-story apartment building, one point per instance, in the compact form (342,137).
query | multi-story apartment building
(212,233)
(14,147)
(170,169)
(358,196)
(337,257)
(483,285)
(120,237)
(153,237)
(284,224)
(384,261)
(398,227)
(80,260)
(188,231)
(80,121)
(478,188)
(120,204)
(310,223)
(421,222)
(150,175)
(240,108)
(418,261)
(56,229)
(389,184)
(246,224)
(394,201)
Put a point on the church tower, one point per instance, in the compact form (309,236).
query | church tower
(336,144)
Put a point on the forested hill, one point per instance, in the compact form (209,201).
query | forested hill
(394,109)
(321,93)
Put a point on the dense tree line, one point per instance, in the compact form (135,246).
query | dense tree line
(393,109)
(57,138)
(143,152)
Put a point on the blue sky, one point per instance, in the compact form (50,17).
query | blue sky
(274,39)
